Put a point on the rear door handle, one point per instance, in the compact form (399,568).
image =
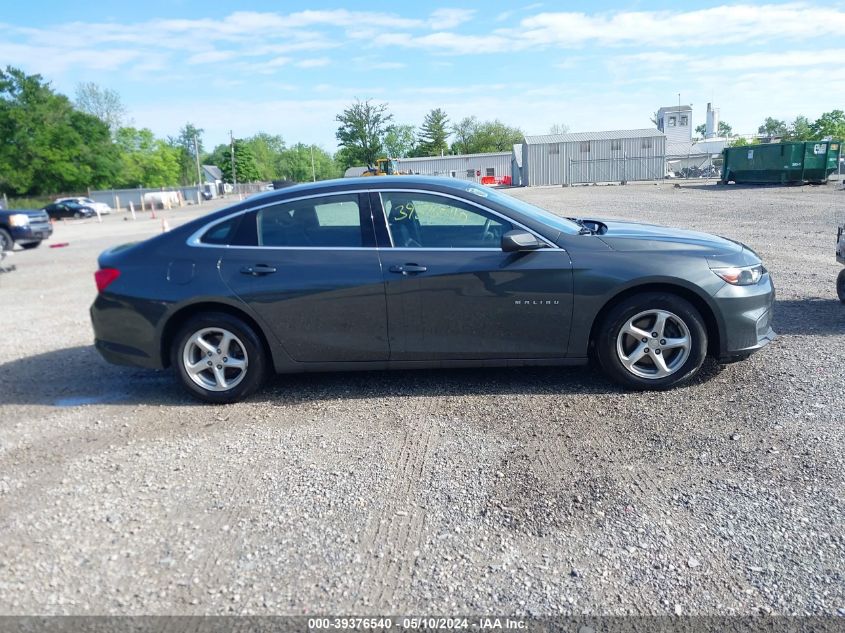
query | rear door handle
(406,269)
(258,270)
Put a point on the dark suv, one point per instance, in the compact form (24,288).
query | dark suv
(23,226)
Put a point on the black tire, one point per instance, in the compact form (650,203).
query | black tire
(840,285)
(246,341)
(6,241)
(683,365)
(29,246)
(78,215)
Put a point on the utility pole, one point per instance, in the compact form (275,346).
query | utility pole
(197,155)
(234,171)
(313,171)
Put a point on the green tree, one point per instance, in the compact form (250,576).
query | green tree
(772,127)
(400,141)
(475,137)
(246,168)
(188,144)
(146,161)
(361,132)
(799,130)
(830,124)
(296,163)
(268,150)
(464,131)
(47,145)
(103,103)
(725,129)
(742,142)
(433,134)
(701,130)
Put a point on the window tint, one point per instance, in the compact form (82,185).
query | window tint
(419,220)
(330,221)
(220,233)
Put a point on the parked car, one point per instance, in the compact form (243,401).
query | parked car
(102,207)
(405,272)
(69,209)
(24,227)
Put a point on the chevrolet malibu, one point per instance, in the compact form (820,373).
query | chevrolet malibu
(412,272)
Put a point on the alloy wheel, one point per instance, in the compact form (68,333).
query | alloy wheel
(215,359)
(653,344)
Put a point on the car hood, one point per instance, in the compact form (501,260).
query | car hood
(632,236)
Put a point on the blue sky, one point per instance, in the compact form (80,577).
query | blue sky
(287,68)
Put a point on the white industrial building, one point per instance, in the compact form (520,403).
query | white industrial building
(683,153)
(592,157)
(675,122)
(463,166)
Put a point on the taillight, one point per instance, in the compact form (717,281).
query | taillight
(104,277)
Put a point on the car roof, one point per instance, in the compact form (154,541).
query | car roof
(369,182)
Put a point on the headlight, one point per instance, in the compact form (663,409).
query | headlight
(19,219)
(741,276)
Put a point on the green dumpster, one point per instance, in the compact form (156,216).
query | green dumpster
(781,163)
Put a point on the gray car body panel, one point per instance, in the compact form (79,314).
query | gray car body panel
(344,309)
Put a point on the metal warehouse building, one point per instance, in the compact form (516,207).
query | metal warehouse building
(588,157)
(463,166)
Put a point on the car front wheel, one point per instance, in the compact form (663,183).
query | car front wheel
(218,358)
(652,341)
(6,241)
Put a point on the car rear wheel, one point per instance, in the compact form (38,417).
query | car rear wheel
(30,245)
(652,341)
(6,241)
(218,358)
(840,285)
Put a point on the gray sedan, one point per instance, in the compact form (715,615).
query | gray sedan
(412,272)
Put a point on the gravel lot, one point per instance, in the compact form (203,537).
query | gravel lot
(540,491)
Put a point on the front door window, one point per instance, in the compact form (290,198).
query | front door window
(421,220)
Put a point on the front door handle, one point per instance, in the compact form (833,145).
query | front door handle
(258,270)
(406,269)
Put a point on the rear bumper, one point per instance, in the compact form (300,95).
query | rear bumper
(747,313)
(134,326)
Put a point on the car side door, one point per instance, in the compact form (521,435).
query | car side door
(313,276)
(453,293)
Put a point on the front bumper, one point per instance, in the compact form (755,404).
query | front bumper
(31,233)
(747,313)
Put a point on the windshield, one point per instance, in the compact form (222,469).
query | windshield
(535,213)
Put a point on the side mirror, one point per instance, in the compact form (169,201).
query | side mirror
(514,241)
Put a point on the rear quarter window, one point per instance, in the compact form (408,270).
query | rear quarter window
(237,231)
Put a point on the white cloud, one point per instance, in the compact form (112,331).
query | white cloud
(447,43)
(441,19)
(314,62)
(210,57)
(691,29)
(695,28)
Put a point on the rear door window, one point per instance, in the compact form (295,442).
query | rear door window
(324,222)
